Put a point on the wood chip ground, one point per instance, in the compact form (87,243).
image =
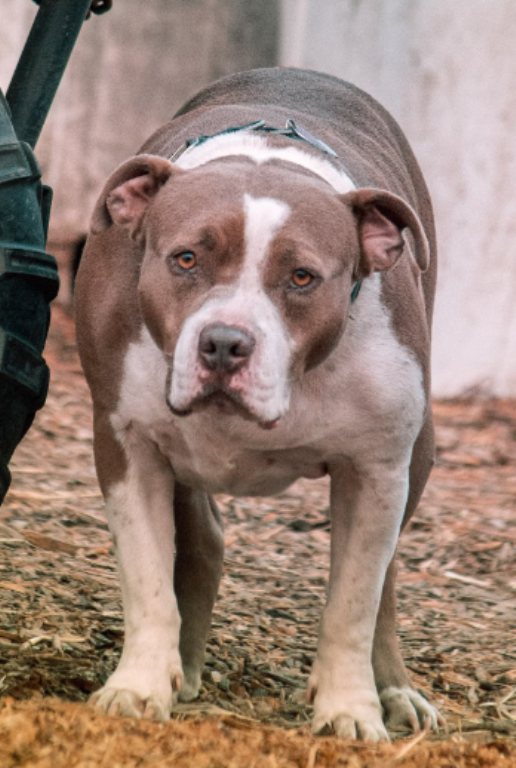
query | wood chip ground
(61,627)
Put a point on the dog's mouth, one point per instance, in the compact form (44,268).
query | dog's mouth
(220,397)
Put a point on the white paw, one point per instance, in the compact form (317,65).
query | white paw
(349,714)
(404,707)
(139,693)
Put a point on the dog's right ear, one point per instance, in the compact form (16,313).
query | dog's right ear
(129,191)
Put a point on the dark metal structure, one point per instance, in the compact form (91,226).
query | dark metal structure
(28,275)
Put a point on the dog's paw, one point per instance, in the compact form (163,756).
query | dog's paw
(138,695)
(348,714)
(405,708)
(191,684)
(116,701)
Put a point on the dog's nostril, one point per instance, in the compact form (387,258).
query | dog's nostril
(238,350)
(224,348)
(209,348)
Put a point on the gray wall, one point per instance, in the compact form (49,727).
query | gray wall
(447,71)
(130,71)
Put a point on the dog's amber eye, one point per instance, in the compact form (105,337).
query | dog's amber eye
(301,278)
(186,260)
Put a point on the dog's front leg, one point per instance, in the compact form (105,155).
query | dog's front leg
(367,503)
(140,512)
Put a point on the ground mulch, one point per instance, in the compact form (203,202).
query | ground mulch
(61,626)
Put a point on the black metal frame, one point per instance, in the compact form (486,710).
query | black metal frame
(28,275)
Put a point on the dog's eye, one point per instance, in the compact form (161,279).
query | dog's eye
(186,260)
(301,278)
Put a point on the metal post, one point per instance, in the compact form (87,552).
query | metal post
(42,64)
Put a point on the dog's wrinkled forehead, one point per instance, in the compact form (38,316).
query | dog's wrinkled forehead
(229,218)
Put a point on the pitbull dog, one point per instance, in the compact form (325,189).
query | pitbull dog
(253,307)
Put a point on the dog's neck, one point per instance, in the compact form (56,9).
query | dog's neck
(255,146)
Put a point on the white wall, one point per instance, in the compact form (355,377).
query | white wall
(447,72)
(446,69)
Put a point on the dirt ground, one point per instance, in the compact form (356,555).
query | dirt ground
(61,626)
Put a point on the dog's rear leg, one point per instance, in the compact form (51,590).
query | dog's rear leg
(402,705)
(197,572)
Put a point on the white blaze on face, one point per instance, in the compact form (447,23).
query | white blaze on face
(263,217)
(263,383)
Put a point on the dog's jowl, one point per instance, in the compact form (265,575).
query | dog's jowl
(253,306)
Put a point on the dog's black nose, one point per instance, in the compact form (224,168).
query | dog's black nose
(223,348)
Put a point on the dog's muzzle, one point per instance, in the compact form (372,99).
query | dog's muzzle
(231,367)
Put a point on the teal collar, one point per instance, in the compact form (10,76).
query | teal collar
(356,291)
(291,131)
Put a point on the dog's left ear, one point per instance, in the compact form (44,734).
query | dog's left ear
(381,216)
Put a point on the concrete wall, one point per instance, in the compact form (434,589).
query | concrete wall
(130,71)
(447,72)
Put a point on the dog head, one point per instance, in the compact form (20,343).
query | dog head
(247,271)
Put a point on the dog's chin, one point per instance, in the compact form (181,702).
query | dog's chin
(225,401)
